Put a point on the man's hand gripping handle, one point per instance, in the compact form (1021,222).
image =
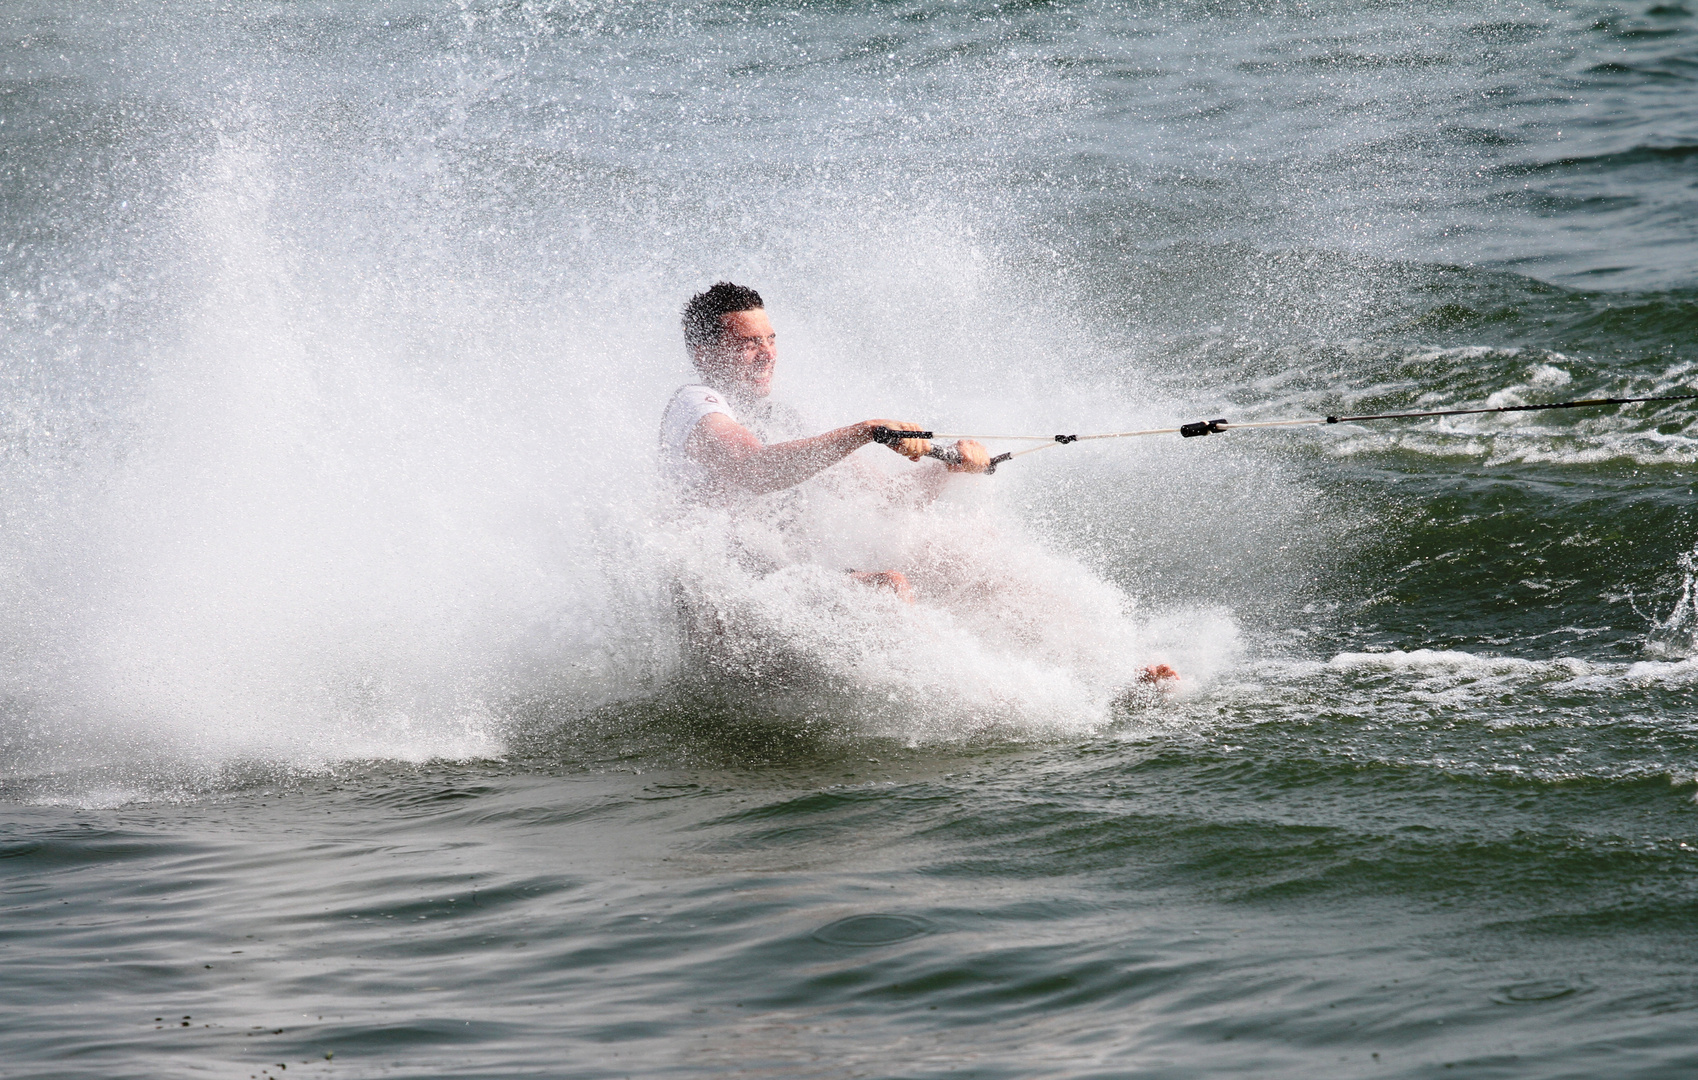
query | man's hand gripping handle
(947,454)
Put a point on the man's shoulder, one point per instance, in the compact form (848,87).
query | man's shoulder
(690,406)
(698,397)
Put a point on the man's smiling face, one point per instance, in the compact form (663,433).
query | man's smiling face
(742,360)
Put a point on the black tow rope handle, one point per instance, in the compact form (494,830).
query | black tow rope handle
(1203,427)
(886,436)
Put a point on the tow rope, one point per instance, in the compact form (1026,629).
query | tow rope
(950,455)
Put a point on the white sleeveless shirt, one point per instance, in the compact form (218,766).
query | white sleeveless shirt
(688,407)
(769,421)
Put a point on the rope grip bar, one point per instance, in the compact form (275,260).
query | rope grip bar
(888,436)
(946,454)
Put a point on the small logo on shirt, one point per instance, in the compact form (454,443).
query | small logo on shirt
(710,399)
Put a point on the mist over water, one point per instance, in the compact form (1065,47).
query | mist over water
(345,702)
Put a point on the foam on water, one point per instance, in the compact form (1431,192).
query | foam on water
(1456,678)
(1007,636)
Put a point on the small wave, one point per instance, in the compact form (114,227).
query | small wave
(1638,72)
(1461,664)
(1448,679)
(1667,673)
(1638,155)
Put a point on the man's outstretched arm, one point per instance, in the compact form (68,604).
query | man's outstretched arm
(737,459)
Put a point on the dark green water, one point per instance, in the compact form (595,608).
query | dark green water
(344,724)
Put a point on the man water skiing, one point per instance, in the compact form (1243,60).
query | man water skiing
(710,455)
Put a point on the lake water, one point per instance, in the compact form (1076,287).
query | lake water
(345,724)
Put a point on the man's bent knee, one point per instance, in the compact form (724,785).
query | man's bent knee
(894,580)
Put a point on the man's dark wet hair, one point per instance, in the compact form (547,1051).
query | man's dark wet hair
(701,314)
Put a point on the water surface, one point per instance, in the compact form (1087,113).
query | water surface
(344,724)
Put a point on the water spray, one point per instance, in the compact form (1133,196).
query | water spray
(949,455)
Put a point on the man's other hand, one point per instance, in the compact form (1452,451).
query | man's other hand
(974,457)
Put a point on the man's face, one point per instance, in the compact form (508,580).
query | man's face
(743,358)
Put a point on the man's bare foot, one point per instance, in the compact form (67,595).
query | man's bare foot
(1156,674)
(886,579)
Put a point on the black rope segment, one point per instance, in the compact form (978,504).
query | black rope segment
(1589,402)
